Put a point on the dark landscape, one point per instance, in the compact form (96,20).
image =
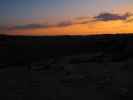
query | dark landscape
(96,67)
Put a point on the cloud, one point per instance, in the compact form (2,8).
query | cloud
(105,17)
(29,26)
(38,26)
(41,26)
(83,22)
(83,18)
(70,23)
(67,23)
(112,17)
(64,24)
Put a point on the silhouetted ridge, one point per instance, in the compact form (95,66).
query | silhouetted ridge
(22,49)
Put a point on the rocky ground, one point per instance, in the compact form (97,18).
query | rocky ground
(80,76)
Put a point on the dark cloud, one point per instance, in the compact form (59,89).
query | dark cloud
(40,26)
(112,17)
(70,23)
(64,24)
(83,18)
(30,26)
(83,22)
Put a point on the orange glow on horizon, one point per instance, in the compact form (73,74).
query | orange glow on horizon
(110,27)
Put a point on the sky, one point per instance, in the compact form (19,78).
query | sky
(65,17)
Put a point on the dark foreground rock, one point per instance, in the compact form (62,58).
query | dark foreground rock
(69,78)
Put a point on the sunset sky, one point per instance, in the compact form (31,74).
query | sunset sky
(65,17)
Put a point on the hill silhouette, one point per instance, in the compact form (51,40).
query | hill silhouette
(22,49)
